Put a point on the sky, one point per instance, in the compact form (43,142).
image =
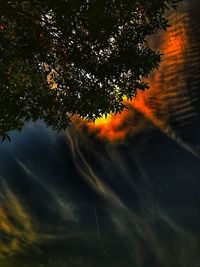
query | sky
(121,192)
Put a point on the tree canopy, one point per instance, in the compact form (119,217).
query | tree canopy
(64,57)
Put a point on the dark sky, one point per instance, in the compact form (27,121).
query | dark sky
(77,199)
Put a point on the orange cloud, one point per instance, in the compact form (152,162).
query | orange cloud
(154,102)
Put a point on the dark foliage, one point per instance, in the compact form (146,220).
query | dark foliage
(59,58)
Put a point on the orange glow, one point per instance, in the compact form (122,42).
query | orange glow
(1,26)
(152,103)
(112,127)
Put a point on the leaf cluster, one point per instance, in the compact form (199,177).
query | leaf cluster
(64,57)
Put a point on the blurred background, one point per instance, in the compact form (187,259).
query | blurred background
(123,191)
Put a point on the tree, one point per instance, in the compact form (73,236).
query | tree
(64,57)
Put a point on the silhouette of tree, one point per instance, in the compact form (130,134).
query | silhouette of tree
(64,57)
